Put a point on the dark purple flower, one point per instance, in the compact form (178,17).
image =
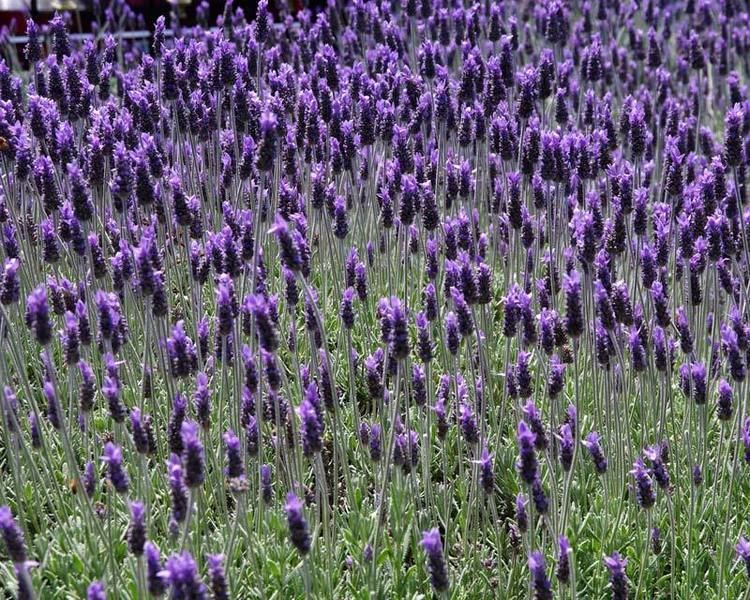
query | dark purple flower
(266,484)
(298,530)
(346,311)
(573,304)
(523,375)
(533,418)
(137,528)
(96,591)
(567,446)
(436,565)
(155,576)
(733,147)
(486,472)
(217,576)
(289,248)
(658,466)
(266,328)
(53,406)
(521,515)
(202,401)
(36,434)
(724,402)
(183,358)
(375,444)
(541,503)
(468,425)
(311,425)
(697,475)
(540,583)
(138,431)
(116,474)
(10,284)
(592,444)
(527,462)
(192,454)
(618,579)
(743,553)
(13,537)
(182,574)
(177,488)
(235,467)
(644,489)
(563,560)
(37,316)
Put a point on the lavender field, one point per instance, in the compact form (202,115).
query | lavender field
(400,299)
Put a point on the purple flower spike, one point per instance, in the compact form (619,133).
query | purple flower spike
(13,537)
(521,516)
(743,553)
(298,531)
(724,402)
(618,579)
(235,467)
(96,591)
(527,462)
(436,565)
(486,472)
(289,250)
(533,418)
(217,576)
(468,425)
(567,446)
(137,528)
(592,444)
(266,484)
(311,425)
(116,474)
(10,284)
(155,576)
(178,489)
(645,495)
(183,358)
(192,454)
(182,574)
(540,583)
(563,560)
(37,316)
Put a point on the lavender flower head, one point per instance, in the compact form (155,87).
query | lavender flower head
(486,472)
(182,574)
(137,528)
(235,468)
(592,444)
(563,560)
(298,530)
(96,591)
(37,316)
(644,489)
(156,578)
(436,566)
(13,537)
(527,464)
(521,515)
(540,583)
(743,553)
(217,576)
(618,580)
(192,454)
(116,473)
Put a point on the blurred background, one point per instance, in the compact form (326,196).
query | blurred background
(13,13)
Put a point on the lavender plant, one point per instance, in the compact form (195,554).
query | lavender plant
(391,299)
